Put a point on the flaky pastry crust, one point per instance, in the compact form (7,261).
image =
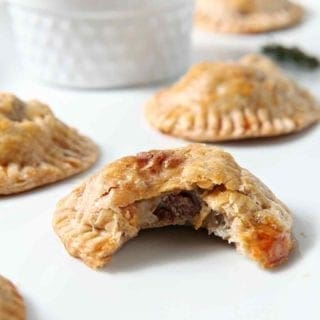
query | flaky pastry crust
(247,16)
(196,185)
(36,148)
(11,303)
(218,101)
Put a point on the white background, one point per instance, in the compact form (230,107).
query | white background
(173,273)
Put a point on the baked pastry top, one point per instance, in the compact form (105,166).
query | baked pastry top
(36,148)
(11,303)
(196,185)
(232,100)
(247,16)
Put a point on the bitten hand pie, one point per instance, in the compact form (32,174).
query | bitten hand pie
(197,185)
(218,101)
(247,16)
(36,148)
(11,303)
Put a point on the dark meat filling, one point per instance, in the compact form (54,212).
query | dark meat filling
(172,206)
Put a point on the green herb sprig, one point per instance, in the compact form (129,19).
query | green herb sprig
(292,55)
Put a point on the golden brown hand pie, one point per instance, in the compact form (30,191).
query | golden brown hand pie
(36,148)
(218,101)
(246,16)
(197,185)
(11,303)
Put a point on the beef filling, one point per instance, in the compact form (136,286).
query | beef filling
(183,204)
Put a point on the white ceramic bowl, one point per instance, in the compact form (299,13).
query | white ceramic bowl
(103,43)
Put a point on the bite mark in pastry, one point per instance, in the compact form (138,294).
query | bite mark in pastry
(197,185)
(36,148)
(247,16)
(11,303)
(218,101)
